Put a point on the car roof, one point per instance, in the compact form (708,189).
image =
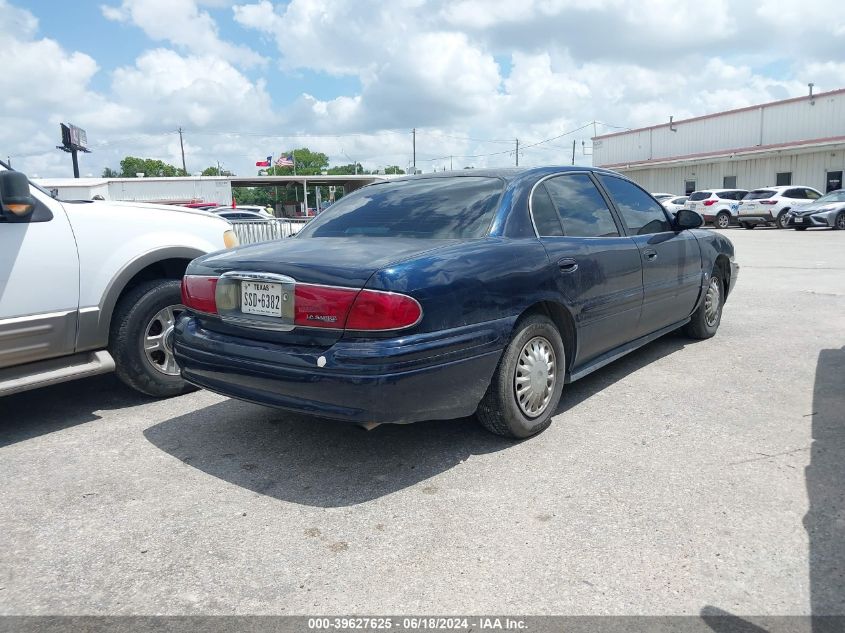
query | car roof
(507,174)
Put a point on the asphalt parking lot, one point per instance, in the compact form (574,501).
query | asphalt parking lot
(687,477)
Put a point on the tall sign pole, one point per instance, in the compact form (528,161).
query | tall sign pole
(74,140)
(414,148)
(182,147)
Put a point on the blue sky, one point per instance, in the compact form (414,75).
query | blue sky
(245,78)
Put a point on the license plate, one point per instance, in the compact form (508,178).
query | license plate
(798,220)
(747,207)
(258,297)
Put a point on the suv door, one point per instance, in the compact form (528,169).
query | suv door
(600,276)
(671,260)
(39,284)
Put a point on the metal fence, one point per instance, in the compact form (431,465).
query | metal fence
(255,231)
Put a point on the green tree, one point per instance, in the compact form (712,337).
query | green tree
(150,167)
(346,170)
(394,169)
(215,171)
(108,172)
(308,163)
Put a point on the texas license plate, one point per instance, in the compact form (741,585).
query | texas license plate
(798,220)
(258,297)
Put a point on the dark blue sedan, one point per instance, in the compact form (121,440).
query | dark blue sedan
(442,296)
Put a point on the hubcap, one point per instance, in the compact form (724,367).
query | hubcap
(723,221)
(712,302)
(840,221)
(535,376)
(158,336)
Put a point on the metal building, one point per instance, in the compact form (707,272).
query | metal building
(797,141)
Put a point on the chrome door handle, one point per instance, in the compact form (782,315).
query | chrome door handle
(650,255)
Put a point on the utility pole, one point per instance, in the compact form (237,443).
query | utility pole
(450,164)
(414,143)
(517,152)
(573,151)
(182,147)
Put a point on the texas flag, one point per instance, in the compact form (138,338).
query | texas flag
(264,163)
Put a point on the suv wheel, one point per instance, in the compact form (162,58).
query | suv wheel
(782,221)
(525,390)
(140,338)
(723,220)
(839,222)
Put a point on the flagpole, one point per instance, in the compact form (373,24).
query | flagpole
(293,153)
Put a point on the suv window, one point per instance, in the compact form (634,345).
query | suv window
(759,194)
(700,195)
(811,195)
(456,207)
(639,211)
(545,215)
(726,195)
(794,193)
(582,209)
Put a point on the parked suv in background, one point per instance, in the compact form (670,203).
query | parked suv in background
(89,287)
(673,204)
(717,206)
(770,205)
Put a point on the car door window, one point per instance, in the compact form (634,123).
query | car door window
(811,195)
(640,212)
(544,213)
(794,194)
(582,209)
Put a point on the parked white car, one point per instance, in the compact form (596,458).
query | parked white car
(246,208)
(770,205)
(89,287)
(717,206)
(673,204)
(660,197)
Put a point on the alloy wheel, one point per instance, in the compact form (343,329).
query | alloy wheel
(158,347)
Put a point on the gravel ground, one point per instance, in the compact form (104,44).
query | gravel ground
(686,477)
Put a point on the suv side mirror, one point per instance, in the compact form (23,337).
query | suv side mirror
(686,219)
(16,203)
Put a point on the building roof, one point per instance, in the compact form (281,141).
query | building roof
(721,114)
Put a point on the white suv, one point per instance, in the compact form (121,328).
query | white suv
(771,204)
(717,206)
(89,287)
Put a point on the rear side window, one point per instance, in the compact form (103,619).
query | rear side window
(759,194)
(726,195)
(430,208)
(641,213)
(544,212)
(700,195)
(582,209)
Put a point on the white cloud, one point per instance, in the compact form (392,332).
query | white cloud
(183,24)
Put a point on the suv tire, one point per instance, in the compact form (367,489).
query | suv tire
(723,220)
(781,220)
(141,319)
(533,358)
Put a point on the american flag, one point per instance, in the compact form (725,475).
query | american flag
(285,160)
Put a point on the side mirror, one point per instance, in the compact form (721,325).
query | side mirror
(16,203)
(686,219)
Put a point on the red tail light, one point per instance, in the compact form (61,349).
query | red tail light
(322,306)
(710,203)
(383,311)
(198,293)
(768,201)
(367,310)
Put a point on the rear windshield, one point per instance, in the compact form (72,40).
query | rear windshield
(759,194)
(699,195)
(431,208)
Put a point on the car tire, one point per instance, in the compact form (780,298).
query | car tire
(747,225)
(707,317)
(781,219)
(723,220)
(140,320)
(839,222)
(535,351)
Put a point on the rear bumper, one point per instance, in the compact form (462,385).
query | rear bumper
(439,375)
